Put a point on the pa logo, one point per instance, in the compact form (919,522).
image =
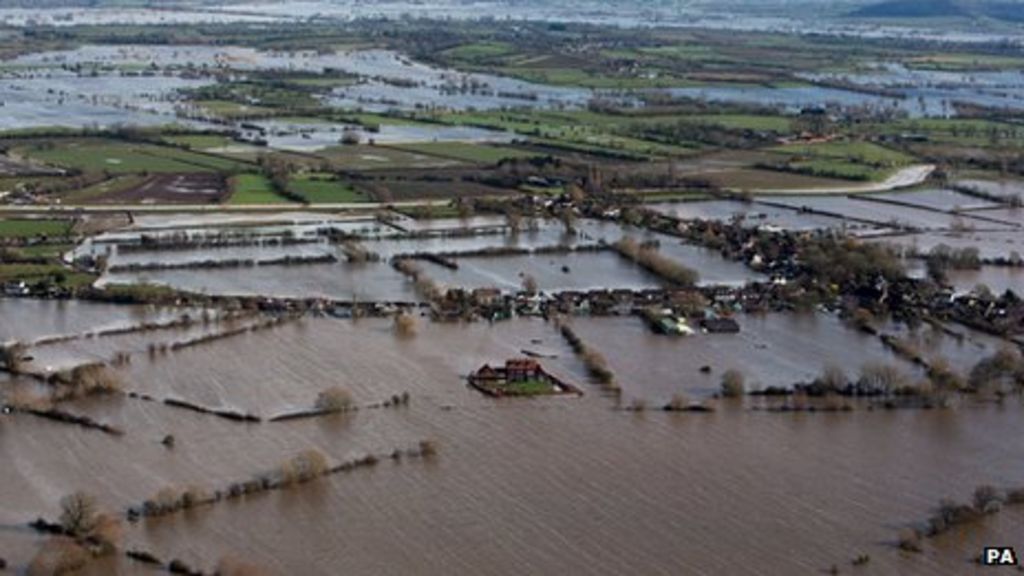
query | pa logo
(998,556)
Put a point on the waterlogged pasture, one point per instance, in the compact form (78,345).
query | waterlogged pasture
(543,455)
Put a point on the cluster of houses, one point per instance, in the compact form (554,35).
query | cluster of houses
(494,305)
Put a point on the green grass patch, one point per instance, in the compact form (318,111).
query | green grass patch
(53,251)
(430,212)
(466,151)
(144,292)
(116,157)
(325,189)
(228,109)
(964,62)
(957,131)
(31,228)
(832,168)
(480,50)
(200,141)
(577,130)
(529,388)
(577,77)
(673,196)
(254,189)
(51,273)
(855,152)
(779,124)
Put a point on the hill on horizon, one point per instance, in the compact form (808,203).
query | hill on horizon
(999,10)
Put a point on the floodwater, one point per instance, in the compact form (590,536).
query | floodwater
(989,244)
(865,210)
(386,79)
(552,272)
(1009,187)
(750,214)
(774,16)
(583,270)
(795,98)
(317,136)
(66,100)
(29,320)
(998,279)
(933,92)
(379,282)
(1014,215)
(543,486)
(891,89)
(938,199)
(341,281)
(27,17)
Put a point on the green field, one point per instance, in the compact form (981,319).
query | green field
(117,157)
(44,250)
(529,388)
(856,152)
(32,273)
(579,130)
(323,189)
(779,124)
(466,151)
(855,160)
(480,50)
(229,109)
(254,189)
(200,141)
(577,77)
(958,132)
(959,62)
(31,228)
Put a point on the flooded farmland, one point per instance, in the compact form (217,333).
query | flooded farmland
(583,456)
(583,453)
(493,288)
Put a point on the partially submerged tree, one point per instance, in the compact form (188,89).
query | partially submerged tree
(78,514)
(733,384)
(883,378)
(1000,372)
(405,325)
(334,399)
(304,466)
(530,285)
(11,356)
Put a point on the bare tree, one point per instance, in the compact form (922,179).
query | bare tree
(78,514)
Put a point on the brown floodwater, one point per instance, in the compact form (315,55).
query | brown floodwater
(540,486)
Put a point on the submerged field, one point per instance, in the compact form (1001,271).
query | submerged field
(250,255)
(568,443)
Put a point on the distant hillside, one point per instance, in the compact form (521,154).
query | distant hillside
(999,10)
(912,9)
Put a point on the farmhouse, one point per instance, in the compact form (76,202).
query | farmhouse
(519,377)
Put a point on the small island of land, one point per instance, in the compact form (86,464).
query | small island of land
(519,377)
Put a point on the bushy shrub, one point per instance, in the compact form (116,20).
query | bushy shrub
(334,399)
(733,384)
(405,325)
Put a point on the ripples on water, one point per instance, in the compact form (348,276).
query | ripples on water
(540,486)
